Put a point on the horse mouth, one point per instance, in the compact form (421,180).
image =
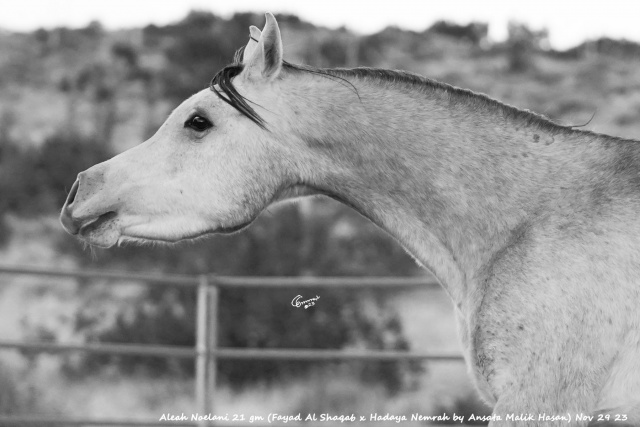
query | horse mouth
(105,231)
(96,224)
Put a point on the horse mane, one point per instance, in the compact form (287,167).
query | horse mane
(477,101)
(423,84)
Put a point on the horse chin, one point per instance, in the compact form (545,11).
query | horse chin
(104,232)
(101,239)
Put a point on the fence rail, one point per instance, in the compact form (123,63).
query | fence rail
(206,351)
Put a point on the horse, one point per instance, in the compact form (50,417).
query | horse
(530,227)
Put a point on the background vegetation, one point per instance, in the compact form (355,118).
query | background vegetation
(70,98)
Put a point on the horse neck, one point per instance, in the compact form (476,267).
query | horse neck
(452,182)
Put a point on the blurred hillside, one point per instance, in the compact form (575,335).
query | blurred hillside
(70,98)
(118,86)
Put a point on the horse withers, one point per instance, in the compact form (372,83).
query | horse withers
(532,228)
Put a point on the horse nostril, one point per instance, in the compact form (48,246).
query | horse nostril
(72,194)
(72,227)
(65,216)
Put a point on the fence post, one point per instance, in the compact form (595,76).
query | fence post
(202,316)
(212,367)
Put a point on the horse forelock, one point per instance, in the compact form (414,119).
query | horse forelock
(222,81)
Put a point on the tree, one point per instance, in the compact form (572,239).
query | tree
(522,44)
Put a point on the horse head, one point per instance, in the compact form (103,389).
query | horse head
(212,167)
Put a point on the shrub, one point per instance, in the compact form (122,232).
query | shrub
(34,181)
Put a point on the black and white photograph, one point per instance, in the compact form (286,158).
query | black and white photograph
(319,213)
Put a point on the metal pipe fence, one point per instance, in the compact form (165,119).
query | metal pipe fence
(206,351)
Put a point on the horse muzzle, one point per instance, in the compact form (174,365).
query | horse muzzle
(83,221)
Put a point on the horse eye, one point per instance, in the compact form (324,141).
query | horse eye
(198,123)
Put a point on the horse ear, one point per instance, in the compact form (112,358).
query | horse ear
(265,61)
(254,37)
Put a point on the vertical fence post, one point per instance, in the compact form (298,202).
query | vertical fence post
(202,316)
(212,367)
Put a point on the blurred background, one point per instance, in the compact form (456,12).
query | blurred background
(82,81)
